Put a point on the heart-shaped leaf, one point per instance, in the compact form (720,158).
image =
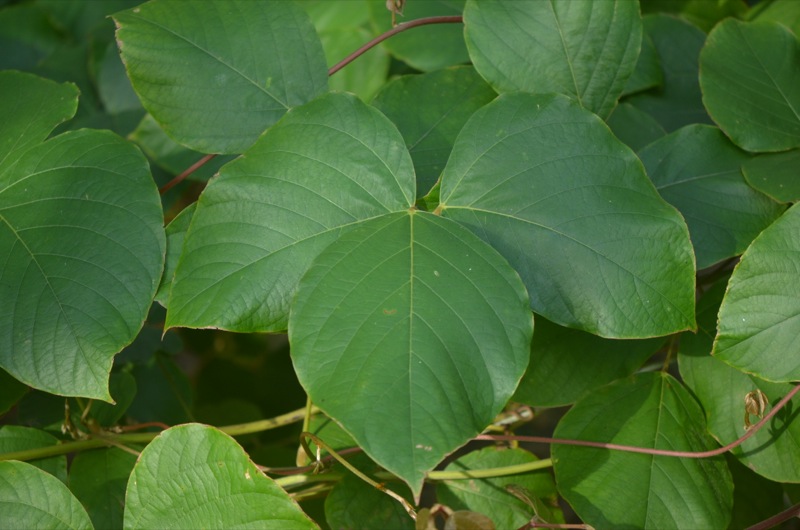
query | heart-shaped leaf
(81,229)
(570,207)
(402,320)
(615,489)
(580,48)
(194,476)
(32,498)
(269,213)
(750,76)
(759,320)
(699,172)
(216,73)
(30,108)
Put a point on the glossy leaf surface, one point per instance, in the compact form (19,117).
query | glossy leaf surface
(30,108)
(776,175)
(679,101)
(31,498)
(721,389)
(216,73)
(750,76)
(546,183)
(82,232)
(699,172)
(759,321)
(583,49)
(410,315)
(261,222)
(618,489)
(194,476)
(442,102)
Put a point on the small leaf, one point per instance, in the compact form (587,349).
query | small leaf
(258,226)
(547,184)
(750,76)
(215,74)
(583,49)
(32,498)
(772,451)
(759,320)
(18,438)
(648,73)
(489,496)
(81,226)
(442,102)
(30,108)
(679,101)
(566,364)
(176,233)
(775,175)
(194,476)
(698,171)
(413,316)
(620,489)
(98,479)
(634,127)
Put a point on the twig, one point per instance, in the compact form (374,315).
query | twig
(775,520)
(191,169)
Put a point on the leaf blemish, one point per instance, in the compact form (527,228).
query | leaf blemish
(389,311)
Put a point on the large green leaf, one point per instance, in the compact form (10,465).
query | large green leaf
(434,47)
(567,363)
(775,174)
(679,101)
(98,479)
(412,316)
(81,229)
(648,73)
(491,497)
(772,451)
(31,498)
(759,320)
(261,222)
(633,126)
(18,438)
(580,48)
(442,102)
(30,108)
(216,73)
(699,172)
(194,476)
(176,233)
(701,13)
(782,11)
(547,184)
(615,489)
(750,77)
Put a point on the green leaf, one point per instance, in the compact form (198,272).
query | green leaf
(30,108)
(698,171)
(759,320)
(113,86)
(648,73)
(432,48)
(567,364)
(11,391)
(122,387)
(353,503)
(782,11)
(579,48)
(701,13)
(269,213)
(755,498)
(17,438)
(634,127)
(403,321)
(491,497)
(176,233)
(442,102)
(750,77)
(98,479)
(547,184)
(775,175)
(31,498)
(616,489)
(81,226)
(772,451)
(163,392)
(194,476)
(216,73)
(679,102)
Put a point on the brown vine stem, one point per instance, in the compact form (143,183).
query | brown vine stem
(777,519)
(335,68)
(645,450)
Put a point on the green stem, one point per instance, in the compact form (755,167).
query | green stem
(490,472)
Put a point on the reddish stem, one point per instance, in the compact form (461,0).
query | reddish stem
(138,426)
(647,451)
(777,519)
(191,169)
